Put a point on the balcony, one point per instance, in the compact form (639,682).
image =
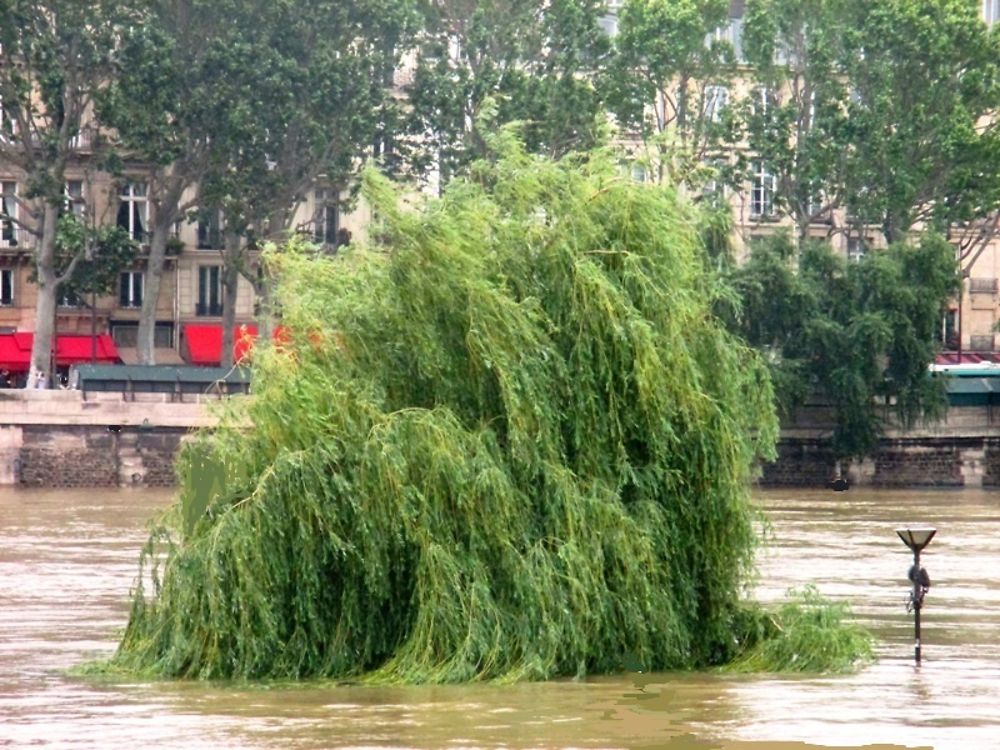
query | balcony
(982,285)
(981,343)
(15,238)
(208,309)
(82,141)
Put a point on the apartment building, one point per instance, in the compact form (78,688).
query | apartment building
(969,327)
(190,304)
(189,308)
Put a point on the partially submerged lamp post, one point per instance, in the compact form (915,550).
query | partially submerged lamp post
(916,538)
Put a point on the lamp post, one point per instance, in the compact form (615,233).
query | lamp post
(916,538)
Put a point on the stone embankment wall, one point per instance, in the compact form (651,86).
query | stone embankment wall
(962,450)
(60,439)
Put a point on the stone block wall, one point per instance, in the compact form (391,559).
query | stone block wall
(96,456)
(800,463)
(158,451)
(67,456)
(991,463)
(919,464)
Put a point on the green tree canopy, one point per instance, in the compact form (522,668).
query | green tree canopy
(670,81)
(884,109)
(102,252)
(855,336)
(512,442)
(513,60)
(56,57)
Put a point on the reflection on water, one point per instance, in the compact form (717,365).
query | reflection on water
(67,560)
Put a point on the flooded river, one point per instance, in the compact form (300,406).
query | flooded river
(67,560)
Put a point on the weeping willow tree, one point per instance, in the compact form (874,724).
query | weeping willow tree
(509,441)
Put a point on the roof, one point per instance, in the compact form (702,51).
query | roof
(165,355)
(163,373)
(967,386)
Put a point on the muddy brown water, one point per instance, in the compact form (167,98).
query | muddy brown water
(67,560)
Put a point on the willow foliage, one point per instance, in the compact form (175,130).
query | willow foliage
(509,442)
(808,633)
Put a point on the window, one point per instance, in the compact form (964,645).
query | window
(949,329)
(130,289)
(8,125)
(763,100)
(762,191)
(991,11)
(70,299)
(133,210)
(8,212)
(210,230)
(816,206)
(209,291)
(731,34)
(608,23)
(716,100)
(6,287)
(714,187)
(326,220)
(126,335)
(74,202)
(80,141)
(857,248)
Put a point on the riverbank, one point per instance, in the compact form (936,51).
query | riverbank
(66,439)
(960,450)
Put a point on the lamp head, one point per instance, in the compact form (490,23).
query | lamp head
(916,537)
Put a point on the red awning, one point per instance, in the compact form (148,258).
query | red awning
(75,350)
(204,343)
(966,358)
(15,350)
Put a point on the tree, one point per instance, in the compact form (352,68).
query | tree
(795,114)
(670,86)
(482,63)
(308,88)
(165,105)
(103,252)
(471,461)
(57,54)
(881,108)
(855,336)
(924,146)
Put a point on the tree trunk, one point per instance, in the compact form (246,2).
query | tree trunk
(230,282)
(146,343)
(172,187)
(45,307)
(802,228)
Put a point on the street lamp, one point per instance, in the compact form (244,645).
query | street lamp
(916,538)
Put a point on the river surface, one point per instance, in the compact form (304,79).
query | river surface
(67,560)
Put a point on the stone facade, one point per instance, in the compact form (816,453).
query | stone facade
(800,463)
(920,464)
(67,457)
(96,456)
(946,461)
(61,439)
(991,463)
